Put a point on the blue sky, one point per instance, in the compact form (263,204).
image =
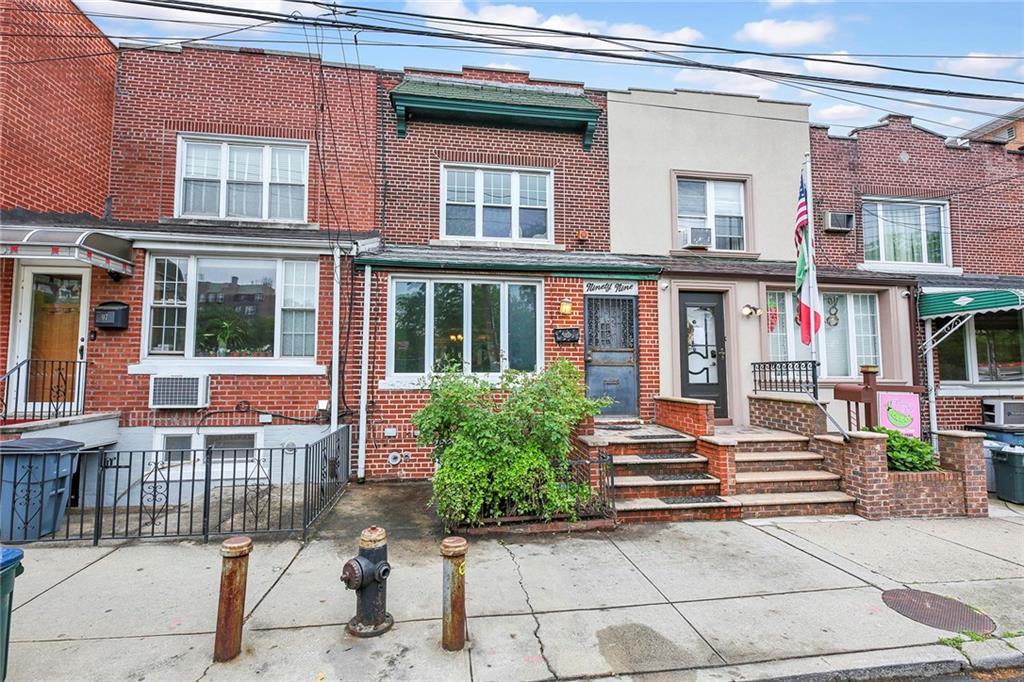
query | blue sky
(993,32)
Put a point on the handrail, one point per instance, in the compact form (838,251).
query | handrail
(37,388)
(786,376)
(842,432)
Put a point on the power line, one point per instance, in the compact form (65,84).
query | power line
(229,11)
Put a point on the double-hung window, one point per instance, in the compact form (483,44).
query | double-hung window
(710,214)
(207,307)
(241,179)
(849,333)
(906,232)
(474,326)
(496,203)
(989,348)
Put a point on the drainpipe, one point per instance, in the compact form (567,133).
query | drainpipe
(929,360)
(335,333)
(364,372)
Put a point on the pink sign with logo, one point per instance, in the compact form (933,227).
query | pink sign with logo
(900,412)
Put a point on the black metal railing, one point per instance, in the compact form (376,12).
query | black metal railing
(788,376)
(137,494)
(43,389)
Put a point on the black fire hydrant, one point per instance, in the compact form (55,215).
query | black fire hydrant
(367,574)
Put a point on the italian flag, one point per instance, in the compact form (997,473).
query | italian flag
(806,278)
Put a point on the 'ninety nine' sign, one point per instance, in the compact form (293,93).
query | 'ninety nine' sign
(610,288)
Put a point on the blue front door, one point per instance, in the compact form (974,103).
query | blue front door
(611,348)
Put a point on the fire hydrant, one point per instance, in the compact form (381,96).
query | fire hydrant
(367,574)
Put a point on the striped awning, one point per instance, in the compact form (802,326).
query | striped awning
(87,246)
(947,302)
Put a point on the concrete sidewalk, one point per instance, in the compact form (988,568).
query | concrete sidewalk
(712,600)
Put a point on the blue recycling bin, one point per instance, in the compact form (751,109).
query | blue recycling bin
(10,568)
(35,484)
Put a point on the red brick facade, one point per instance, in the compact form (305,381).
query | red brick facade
(695,417)
(56,113)
(794,414)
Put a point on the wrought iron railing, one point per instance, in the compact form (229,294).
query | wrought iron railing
(43,389)
(138,494)
(788,376)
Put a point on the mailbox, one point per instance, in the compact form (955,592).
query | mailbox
(567,335)
(111,315)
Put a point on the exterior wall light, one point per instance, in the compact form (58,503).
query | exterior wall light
(565,306)
(751,311)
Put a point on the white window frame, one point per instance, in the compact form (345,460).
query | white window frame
(478,197)
(413,379)
(792,332)
(192,288)
(709,211)
(944,230)
(971,359)
(197,467)
(226,141)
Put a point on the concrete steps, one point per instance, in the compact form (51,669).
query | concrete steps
(762,505)
(808,480)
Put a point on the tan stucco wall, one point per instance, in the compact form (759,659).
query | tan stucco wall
(654,134)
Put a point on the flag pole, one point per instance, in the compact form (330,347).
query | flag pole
(810,251)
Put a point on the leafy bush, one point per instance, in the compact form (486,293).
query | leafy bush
(504,451)
(906,453)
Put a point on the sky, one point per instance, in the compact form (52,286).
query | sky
(968,38)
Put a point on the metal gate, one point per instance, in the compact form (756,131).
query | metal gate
(611,352)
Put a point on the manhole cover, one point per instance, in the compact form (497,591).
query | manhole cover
(693,499)
(666,455)
(938,611)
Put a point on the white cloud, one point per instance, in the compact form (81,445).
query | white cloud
(785,33)
(956,121)
(525,15)
(838,66)
(783,4)
(841,112)
(504,66)
(976,64)
(726,81)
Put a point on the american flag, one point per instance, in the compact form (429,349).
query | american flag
(801,214)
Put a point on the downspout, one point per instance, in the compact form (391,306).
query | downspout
(335,333)
(364,372)
(929,359)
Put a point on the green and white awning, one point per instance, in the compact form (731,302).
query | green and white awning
(946,302)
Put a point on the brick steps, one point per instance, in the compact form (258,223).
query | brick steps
(657,509)
(794,504)
(786,460)
(809,480)
(633,487)
(760,444)
(664,463)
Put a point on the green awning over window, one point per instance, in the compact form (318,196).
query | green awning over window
(945,303)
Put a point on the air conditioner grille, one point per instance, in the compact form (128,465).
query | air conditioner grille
(177,392)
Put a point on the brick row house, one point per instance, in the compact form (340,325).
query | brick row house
(237,249)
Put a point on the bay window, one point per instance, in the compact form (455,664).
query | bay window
(496,203)
(207,307)
(475,326)
(849,334)
(710,213)
(905,232)
(989,348)
(241,179)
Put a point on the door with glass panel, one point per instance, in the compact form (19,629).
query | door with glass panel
(611,352)
(702,349)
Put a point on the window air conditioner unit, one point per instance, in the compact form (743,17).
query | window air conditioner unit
(1002,412)
(695,238)
(178,392)
(839,222)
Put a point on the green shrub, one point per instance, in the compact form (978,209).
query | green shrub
(504,451)
(906,453)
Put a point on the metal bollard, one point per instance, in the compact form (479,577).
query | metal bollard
(367,574)
(453,632)
(231,605)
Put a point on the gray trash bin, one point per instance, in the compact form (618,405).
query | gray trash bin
(35,483)
(990,471)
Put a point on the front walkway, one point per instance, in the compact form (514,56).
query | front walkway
(719,600)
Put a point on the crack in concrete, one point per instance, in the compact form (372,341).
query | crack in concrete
(205,670)
(533,613)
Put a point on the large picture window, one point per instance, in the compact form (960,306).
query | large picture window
(989,348)
(849,337)
(242,179)
(710,214)
(905,232)
(204,307)
(482,327)
(495,203)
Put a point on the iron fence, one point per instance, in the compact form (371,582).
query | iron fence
(788,376)
(43,389)
(136,494)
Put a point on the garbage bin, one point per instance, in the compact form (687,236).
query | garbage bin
(10,568)
(35,483)
(1009,466)
(990,470)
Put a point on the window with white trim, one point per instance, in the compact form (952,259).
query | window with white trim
(211,307)
(480,326)
(496,203)
(988,348)
(711,214)
(242,179)
(906,232)
(849,334)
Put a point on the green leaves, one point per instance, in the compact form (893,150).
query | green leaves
(504,451)
(906,453)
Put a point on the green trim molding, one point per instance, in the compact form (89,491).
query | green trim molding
(947,303)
